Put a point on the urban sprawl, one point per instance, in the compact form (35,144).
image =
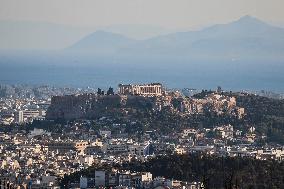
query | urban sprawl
(48,133)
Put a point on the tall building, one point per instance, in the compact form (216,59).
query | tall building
(153,89)
(100,178)
(19,117)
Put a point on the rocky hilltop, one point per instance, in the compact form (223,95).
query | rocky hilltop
(91,106)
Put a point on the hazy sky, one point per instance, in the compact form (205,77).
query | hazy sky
(165,13)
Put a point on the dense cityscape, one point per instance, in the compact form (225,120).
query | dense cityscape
(121,138)
(141,94)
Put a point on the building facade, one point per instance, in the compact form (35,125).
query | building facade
(19,117)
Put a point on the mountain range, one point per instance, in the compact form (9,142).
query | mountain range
(36,35)
(246,37)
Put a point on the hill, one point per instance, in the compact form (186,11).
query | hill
(102,42)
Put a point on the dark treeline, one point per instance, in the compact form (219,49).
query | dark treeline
(214,172)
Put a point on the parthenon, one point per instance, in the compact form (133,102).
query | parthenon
(153,89)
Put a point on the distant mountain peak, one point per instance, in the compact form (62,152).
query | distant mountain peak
(247,19)
(101,40)
(102,33)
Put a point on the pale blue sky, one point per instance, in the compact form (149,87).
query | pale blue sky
(173,14)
